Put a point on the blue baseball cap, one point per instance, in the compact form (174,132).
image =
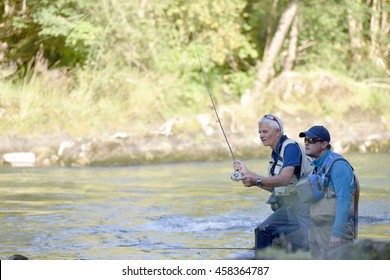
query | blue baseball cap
(317,131)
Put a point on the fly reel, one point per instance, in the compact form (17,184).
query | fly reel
(236,176)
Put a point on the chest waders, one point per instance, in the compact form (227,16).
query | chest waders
(324,210)
(279,222)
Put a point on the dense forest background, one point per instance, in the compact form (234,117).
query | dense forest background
(86,67)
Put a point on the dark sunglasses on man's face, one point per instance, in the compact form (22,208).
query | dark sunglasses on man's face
(312,140)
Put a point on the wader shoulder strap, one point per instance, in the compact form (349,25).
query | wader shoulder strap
(303,170)
(329,169)
(276,167)
(280,159)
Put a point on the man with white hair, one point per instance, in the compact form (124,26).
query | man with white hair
(290,220)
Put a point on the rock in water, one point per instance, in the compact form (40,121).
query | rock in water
(20,159)
(17,257)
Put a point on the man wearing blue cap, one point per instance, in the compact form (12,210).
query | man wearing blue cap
(334,216)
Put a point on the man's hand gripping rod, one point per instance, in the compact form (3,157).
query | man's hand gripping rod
(236,175)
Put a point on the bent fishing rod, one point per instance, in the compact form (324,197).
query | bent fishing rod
(236,175)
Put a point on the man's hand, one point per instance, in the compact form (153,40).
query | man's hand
(249,178)
(240,166)
(334,242)
(248,181)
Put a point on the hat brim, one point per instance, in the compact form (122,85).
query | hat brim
(308,134)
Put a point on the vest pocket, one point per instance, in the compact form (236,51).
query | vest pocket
(323,210)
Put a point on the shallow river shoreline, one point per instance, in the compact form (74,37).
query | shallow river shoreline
(122,149)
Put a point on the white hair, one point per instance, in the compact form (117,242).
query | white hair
(273,122)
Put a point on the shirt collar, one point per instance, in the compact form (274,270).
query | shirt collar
(320,161)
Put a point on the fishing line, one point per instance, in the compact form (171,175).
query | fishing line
(202,248)
(211,97)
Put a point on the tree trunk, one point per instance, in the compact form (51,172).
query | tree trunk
(292,49)
(6,8)
(355,29)
(24,7)
(374,29)
(270,27)
(385,26)
(266,70)
(378,20)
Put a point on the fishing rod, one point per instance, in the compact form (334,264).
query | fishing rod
(236,175)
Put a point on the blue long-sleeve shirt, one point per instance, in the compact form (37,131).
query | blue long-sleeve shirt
(341,182)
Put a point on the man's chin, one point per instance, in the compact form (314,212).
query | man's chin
(309,154)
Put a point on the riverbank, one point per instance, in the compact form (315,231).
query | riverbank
(89,134)
(171,143)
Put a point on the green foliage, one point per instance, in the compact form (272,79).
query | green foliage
(323,30)
(118,63)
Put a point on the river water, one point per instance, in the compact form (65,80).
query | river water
(154,212)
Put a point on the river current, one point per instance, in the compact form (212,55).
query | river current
(154,212)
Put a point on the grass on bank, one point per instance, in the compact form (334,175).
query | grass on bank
(85,103)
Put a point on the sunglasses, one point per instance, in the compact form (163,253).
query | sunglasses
(312,140)
(272,118)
